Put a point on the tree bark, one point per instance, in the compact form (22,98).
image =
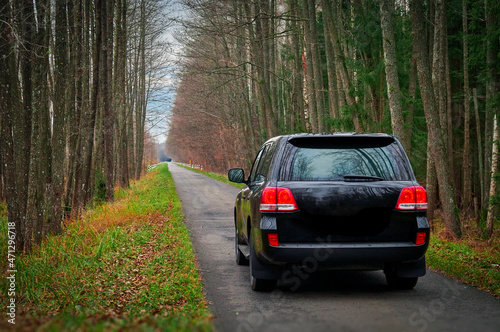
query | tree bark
(341,70)
(332,76)
(438,147)
(23,123)
(479,145)
(309,72)
(10,107)
(298,116)
(40,146)
(492,88)
(120,86)
(140,109)
(316,64)
(466,190)
(108,112)
(391,73)
(431,185)
(59,121)
(493,208)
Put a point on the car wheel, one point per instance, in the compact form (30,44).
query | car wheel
(240,258)
(257,284)
(400,283)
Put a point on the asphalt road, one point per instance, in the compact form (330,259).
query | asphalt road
(326,301)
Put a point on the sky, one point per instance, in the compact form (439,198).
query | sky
(162,98)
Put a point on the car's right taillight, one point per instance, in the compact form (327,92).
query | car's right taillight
(420,238)
(412,198)
(276,199)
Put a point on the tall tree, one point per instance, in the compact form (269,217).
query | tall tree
(120,78)
(10,108)
(466,191)
(492,9)
(391,72)
(59,121)
(314,53)
(107,93)
(298,116)
(340,64)
(40,135)
(438,147)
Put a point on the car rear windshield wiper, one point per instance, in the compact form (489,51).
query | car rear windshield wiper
(355,177)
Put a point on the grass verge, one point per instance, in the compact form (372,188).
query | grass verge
(128,265)
(216,176)
(470,259)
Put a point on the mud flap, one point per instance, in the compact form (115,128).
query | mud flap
(410,270)
(261,271)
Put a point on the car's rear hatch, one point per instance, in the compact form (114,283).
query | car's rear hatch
(346,190)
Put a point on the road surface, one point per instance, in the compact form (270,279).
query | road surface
(326,301)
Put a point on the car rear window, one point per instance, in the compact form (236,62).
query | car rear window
(334,159)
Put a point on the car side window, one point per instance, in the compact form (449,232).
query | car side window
(255,165)
(265,163)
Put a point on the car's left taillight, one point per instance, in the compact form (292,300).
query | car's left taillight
(277,199)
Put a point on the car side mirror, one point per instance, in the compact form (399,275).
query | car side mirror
(236,175)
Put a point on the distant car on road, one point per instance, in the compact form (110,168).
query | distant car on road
(330,201)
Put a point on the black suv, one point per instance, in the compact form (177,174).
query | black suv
(330,201)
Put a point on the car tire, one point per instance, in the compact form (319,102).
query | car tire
(240,258)
(400,283)
(257,284)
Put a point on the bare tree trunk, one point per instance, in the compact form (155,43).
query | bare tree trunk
(316,64)
(140,106)
(59,123)
(311,95)
(108,112)
(431,185)
(466,190)
(391,72)
(492,87)
(479,144)
(438,147)
(72,117)
(449,106)
(341,70)
(438,64)
(40,147)
(88,149)
(10,108)
(412,89)
(298,115)
(86,129)
(23,123)
(120,86)
(493,209)
(332,76)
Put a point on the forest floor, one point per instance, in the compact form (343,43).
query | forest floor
(125,265)
(472,259)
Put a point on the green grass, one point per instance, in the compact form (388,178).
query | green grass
(473,262)
(219,177)
(128,265)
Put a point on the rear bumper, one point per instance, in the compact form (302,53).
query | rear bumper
(372,254)
(343,256)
